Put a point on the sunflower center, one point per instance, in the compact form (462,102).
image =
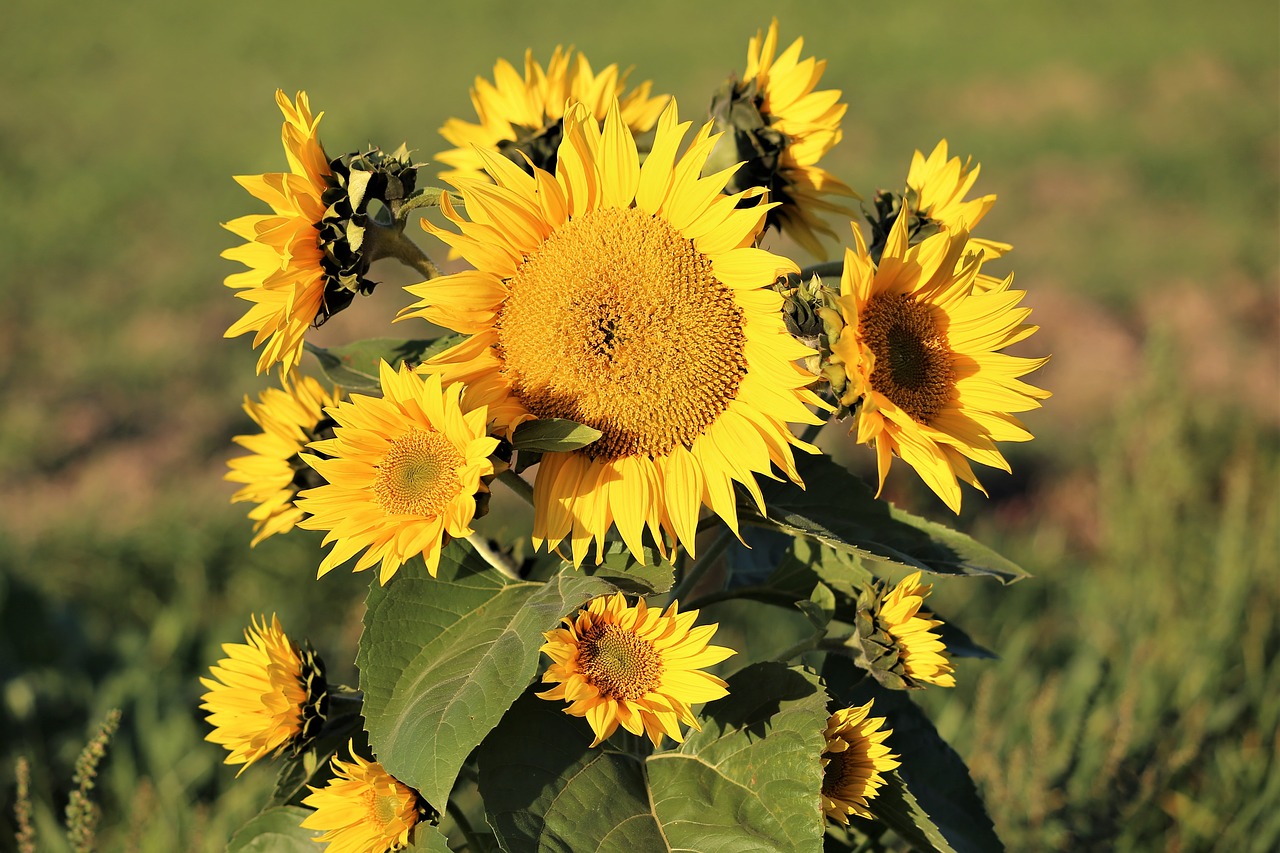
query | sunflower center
(384,808)
(913,366)
(619,664)
(418,475)
(618,322)
(842,770)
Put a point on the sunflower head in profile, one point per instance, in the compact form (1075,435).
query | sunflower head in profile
(920,345)
(779,128)
(629,298)
(632,667)
(273,472)
(898,639)
(853,762)
(304,264)
(401,473)
(266,695)
(524,117)
(363,808)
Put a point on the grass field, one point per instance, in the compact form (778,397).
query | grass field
(1136,152)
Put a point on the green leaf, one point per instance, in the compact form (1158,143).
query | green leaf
(553,435)
(442,659)
(930,799)
(276,830)
(622,570)
(820,607)
(840,510)
(748,781)
(354,366)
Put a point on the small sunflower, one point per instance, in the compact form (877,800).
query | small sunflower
(632,666)
(920,345)
(266,695)
(898,639)
(272,475)
(853,761)
(629,298)
(525,116)
(285,280)
(781,127)
(363,809)
(937,187)
(402,473)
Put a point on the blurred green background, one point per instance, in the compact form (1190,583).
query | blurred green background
(1135,148)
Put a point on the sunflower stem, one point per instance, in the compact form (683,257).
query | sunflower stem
(699,568)
(383,241)
(500,562)
(826,269)
(811,432)
(766,594)
(517,484)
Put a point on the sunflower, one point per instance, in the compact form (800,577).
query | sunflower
(363,809)
(285,280)
(525,116)
(273,473)
(266,695)
(632,666)
(936,188)
(853,761)
(921,347)
(794,127)
(402,475)
(629,298)
(918,655)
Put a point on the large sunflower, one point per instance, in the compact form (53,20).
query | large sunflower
(285,280)
(402,475)
(629,298)
(805,124)
(273,472)
(632,666)
(524,116)
(921,347)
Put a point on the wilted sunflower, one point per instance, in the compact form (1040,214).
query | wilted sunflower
(632,666)
(266,695)
(363,809)
(781,128)
(273,473)
(937,187)
(285,280)
(402,475)
(525,116)
(853,761)
(921,347)
(629,298)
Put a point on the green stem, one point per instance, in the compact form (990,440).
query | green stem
(700,566)
(473,841)
(767,594)
(811,432)
(493,558)
(799,649)
(389,241)
(517,484)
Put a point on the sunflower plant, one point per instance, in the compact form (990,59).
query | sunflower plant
(626,342)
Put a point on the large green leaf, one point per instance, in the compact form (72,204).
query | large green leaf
(620,568)
(276,830)
(748,781)
(354,366)
(930,799)
(839,509)
(442,659)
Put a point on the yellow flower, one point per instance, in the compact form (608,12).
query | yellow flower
(273,473)
(852,762)
(525,115)
(629,298)
(402,475)
(936,194)
(920,651)
(266,695)
(363,809)
(921,347)
(809,123)
(285,280)
(632,666)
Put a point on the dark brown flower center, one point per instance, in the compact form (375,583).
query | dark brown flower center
(913,360)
